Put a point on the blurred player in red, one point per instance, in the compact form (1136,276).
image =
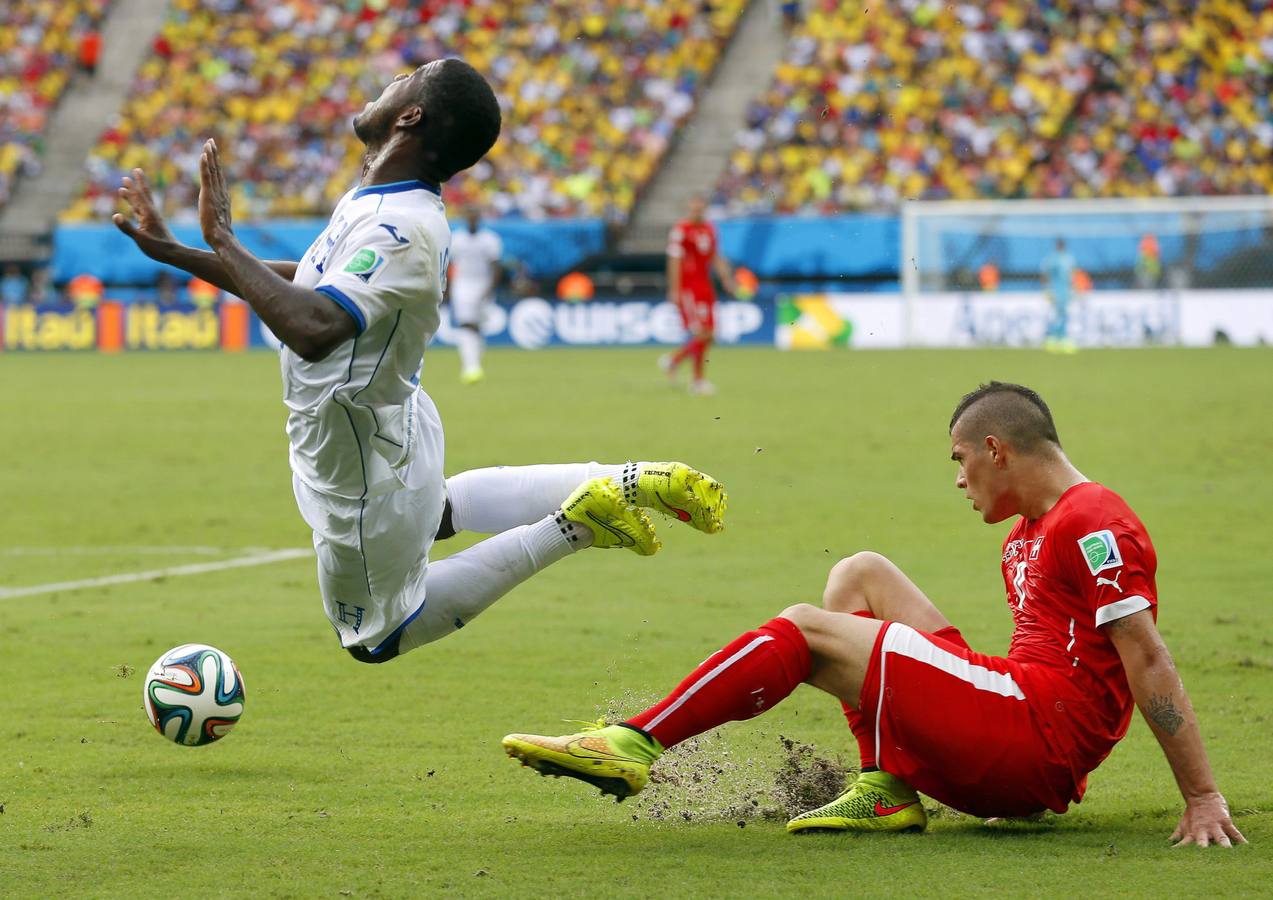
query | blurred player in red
(691,257)
(987,735)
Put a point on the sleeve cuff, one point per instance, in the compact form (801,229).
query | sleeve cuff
(344,302)
(1120,608)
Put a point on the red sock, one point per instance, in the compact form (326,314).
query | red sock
(739,681)
(700,357)
(864,733)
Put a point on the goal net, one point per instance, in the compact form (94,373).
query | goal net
(1152,247)
(1179,243)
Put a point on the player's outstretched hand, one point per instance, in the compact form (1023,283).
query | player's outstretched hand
(1206,821)
(149,232)
(214,196)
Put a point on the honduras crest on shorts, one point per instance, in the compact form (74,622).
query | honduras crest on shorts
(1100,551)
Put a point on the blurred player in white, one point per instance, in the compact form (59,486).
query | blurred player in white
(475,273)
(366,443)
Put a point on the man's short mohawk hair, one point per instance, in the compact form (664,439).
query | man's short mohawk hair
(1012,412)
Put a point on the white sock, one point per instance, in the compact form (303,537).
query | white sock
(469,343)
(489,501)
(462,585)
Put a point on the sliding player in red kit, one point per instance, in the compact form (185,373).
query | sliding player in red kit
(691,257)
(991,736)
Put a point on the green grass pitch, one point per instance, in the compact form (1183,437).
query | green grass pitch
(350,780)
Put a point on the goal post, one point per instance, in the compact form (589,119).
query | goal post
(1153,245)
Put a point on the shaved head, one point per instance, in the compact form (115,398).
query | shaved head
(447,107)
(1011,412)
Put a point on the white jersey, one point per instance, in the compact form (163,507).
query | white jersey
(473,261)
(383,258)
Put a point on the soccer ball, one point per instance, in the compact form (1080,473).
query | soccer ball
(193,694)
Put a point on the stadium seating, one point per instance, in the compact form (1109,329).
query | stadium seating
(592,95)
(40,42)
(913,99)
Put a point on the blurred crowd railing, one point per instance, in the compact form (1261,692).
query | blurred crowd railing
(42,44)
(592,95)
(917,99)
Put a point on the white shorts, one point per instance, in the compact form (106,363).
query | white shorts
(373,553)
(468,303)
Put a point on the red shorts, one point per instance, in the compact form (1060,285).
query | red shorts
(955,725)
(698,310)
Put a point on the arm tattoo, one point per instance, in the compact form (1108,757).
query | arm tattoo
(1163,713)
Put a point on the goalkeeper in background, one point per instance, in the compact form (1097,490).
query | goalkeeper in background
(1057,275)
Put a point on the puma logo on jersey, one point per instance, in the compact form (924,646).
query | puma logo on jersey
(1113,582)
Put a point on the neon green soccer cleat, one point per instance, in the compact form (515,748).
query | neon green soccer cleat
(610,757)
(676,490)
(877,801)
(598,506)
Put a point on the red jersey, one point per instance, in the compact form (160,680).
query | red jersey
(694,243)
(1086,562)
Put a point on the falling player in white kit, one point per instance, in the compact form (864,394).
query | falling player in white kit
(366,443)
(475,273)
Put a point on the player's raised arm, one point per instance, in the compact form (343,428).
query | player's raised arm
(309,322)
(151,235)
(1161,697)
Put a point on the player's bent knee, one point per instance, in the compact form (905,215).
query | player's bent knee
(840,584)
(804,616)
(847,580)
(867,564)
(824,633)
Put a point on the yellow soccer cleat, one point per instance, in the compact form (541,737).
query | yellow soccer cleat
(598,506)
(877,801)
(676,490)
(614,758)
(471,376)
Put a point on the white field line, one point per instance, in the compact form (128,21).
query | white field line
(154,550)
(256,559)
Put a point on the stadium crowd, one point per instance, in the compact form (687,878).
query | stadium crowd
(42,44)
(918,99)
(592,94)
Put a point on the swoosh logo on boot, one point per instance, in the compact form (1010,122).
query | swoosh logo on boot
(624,539)
(889,810)
(578,751)
(681,514)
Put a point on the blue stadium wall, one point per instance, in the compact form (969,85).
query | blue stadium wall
(862,248)
(546,248)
